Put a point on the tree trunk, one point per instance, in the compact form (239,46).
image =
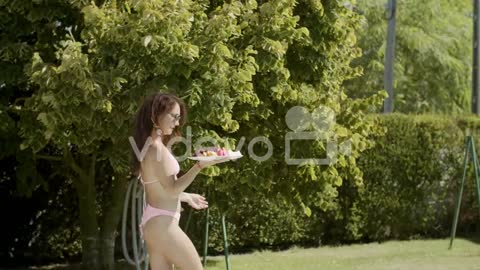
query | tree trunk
(98,244)
(85,187)
(88,223)
(107,251)
(110,222)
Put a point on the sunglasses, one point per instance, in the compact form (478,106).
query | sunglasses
(176,117)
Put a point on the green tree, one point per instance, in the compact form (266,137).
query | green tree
(432,55)
(239,66)
(27,26)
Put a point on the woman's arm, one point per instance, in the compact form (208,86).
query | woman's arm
(196,201)
(184,196)
(178,186)
(162,158)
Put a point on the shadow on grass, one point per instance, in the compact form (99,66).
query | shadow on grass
(213,263)
(472,238)
(119,265)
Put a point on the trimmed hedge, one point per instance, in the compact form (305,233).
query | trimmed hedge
(411,178)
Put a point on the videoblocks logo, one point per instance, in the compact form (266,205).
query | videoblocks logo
(315,126)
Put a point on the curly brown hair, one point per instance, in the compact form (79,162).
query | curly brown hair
(153,107)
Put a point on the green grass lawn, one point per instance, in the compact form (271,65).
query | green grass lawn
(394,255)
(398,255)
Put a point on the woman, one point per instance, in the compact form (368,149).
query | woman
(156,123)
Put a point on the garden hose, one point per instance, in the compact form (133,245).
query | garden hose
(135,194)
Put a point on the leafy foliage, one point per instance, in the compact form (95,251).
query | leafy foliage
(432,55)
(412,177)
(252,62)
(240,67)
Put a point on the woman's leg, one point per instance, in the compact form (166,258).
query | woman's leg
(167,243)
(158,262)
(153,236)
(181,250)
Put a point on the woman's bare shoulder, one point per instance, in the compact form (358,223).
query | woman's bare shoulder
(156,151)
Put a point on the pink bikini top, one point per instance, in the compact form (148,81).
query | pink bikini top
(171,166)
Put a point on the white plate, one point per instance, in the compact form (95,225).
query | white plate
(231,156)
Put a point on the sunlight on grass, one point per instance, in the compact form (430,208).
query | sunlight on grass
(394,255)
(399,255)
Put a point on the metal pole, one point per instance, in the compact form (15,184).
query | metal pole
(205,241)
(389,56)
(225,242)
(477,168)
(462,184)
(476,54)
(187,224)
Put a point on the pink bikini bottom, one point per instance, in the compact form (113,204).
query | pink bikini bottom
(150,212)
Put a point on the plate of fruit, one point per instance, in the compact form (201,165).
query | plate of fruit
(215,153)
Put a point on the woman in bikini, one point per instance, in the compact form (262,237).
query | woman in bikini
(156,123)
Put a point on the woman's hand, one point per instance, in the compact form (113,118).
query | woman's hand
(204,164)
(196,201)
